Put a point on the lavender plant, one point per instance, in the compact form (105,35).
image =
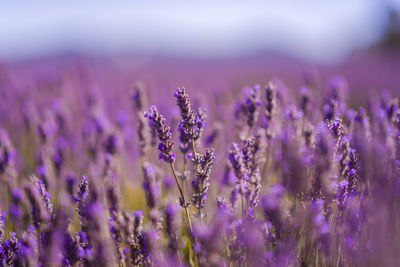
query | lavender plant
(306,179)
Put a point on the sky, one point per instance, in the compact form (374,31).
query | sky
(318,31)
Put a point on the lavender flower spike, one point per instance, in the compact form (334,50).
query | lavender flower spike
(270,90)
(201,182)
(187,123)
(82,200)
(192,123)
(237,162)
(172,227)
(150,185)
(163,133)
(2,225)
(252,105)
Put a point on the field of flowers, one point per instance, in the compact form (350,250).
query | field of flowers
(99,171)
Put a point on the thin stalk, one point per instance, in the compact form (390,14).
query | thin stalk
(265,165)
(243,208)
(38,240)
(195,154)
(184,162)
(197,171)
(182,196)
(185,207)
(122,262)
(339,255)
(179,257)
(184,172)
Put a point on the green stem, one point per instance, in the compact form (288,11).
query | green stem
(179,257)
(182,197)
(199,189)
(185,207)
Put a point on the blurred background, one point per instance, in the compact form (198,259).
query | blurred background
(309,30)
(188,41)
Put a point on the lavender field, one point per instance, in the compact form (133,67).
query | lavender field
(106,168)
(200,134)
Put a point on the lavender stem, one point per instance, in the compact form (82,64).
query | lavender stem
(197,171)
(182,196)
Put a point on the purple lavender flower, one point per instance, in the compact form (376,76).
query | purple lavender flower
(305,103)
(199,123)
(150,185)
(392,108)
(325,146)
(192,123)
(337,128)
(201,182)
(113,195)
(116,221)
(163,133)
(16,207)
(110,144)
(335,104)
(44,194)
(2,225)
(28,247)
(237,162)
(187,122)
(138,95)
(6,152)
(270,91)
(39,199)
(99,236)
(9,251)
(82,200)
(138,222)
(296,161)
(253,156)
(135,239)
(144,134)
(212,137)
(172,223)
(47,127)
(209,239)
(53,238)
(229,176)
(271,205)
(397,120)
(349,166)
(249,107)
